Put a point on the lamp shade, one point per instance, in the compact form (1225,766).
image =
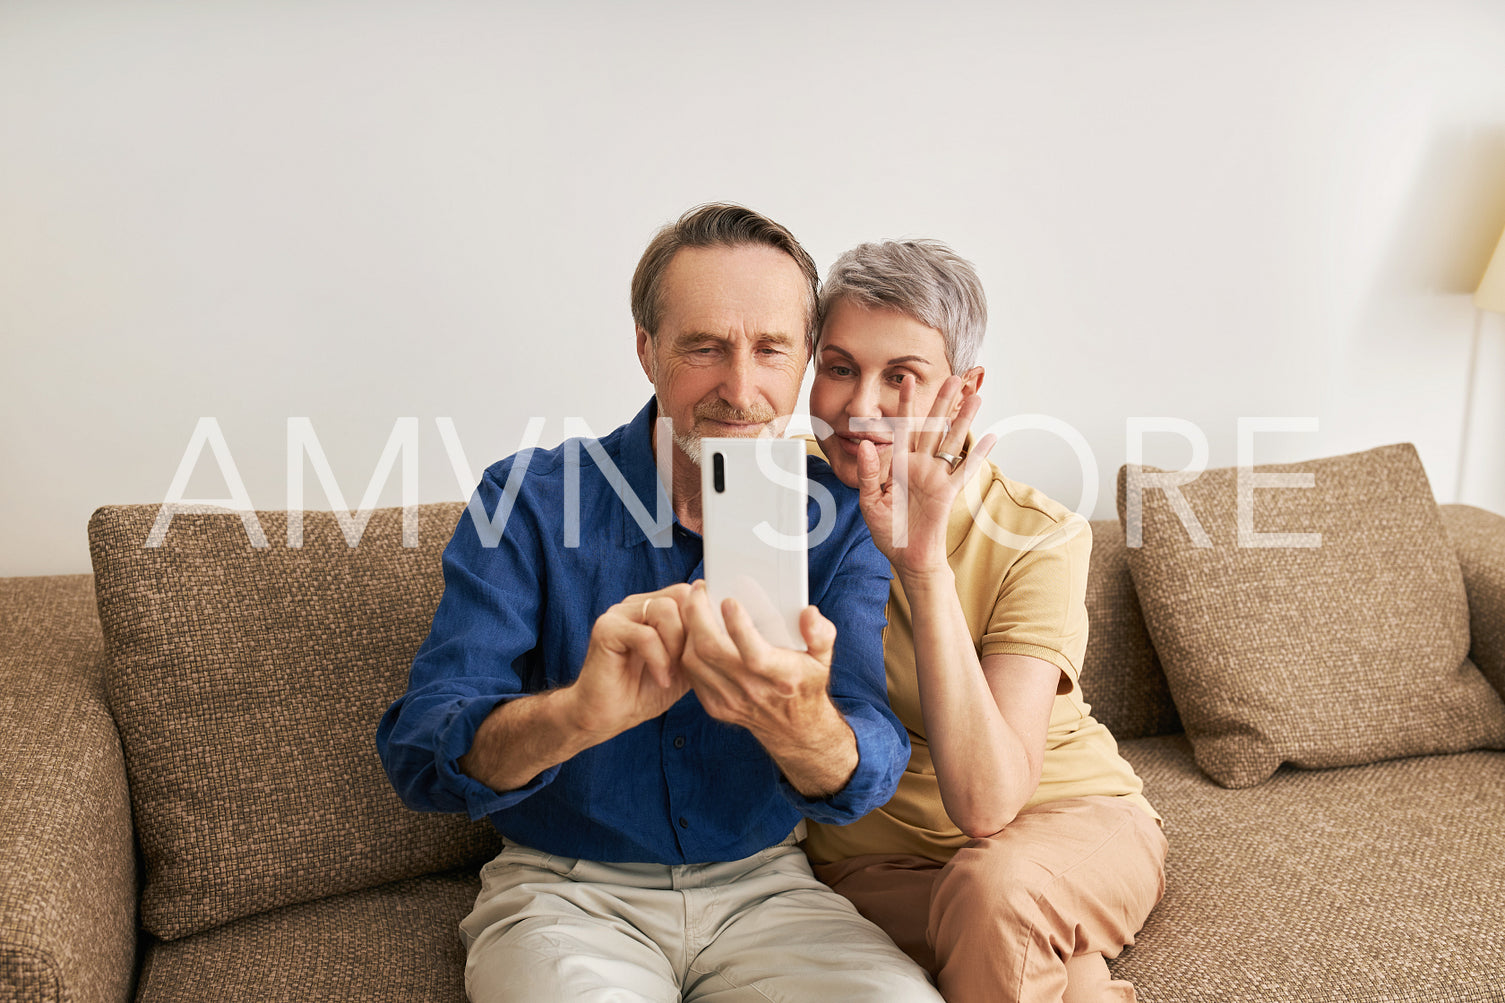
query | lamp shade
(1491,294)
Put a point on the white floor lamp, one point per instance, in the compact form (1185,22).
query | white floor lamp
(1489,296)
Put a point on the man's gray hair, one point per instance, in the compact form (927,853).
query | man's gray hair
(923,279)
(717,224)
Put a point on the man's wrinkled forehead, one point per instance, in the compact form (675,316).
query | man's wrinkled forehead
(747,290)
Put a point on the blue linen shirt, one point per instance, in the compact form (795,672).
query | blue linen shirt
(516,618)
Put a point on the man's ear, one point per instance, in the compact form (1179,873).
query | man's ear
(645,354)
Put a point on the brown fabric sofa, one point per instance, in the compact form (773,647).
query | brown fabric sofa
(191,806)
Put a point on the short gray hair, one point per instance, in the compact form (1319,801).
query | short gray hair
(922,279)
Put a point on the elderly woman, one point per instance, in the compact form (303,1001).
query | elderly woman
(1018,852)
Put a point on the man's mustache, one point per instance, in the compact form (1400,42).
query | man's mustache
(726,414)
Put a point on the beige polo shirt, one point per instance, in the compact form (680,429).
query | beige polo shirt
(1020,561)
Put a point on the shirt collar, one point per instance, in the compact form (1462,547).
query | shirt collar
(641,474)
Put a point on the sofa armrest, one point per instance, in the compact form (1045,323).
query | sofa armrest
(67,854)
(1479,538)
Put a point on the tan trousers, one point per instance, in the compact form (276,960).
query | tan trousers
(550,928)
(1026,915)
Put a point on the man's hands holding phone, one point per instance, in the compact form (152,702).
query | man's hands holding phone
(645,653)
(650,649)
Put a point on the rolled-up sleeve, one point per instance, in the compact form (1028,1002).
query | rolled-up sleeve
(474,658)
(855,602)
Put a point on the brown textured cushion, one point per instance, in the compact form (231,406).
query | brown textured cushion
(247,685)
(1121,677)
(398,943)
(1371,883)
(1348,652)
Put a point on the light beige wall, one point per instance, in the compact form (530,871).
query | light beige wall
(358,212)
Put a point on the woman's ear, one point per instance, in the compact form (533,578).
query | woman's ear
(971,381)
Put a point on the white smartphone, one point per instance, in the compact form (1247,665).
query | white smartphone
(753,502)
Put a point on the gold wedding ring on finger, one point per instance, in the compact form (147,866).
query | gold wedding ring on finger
(644,616)
(951,458)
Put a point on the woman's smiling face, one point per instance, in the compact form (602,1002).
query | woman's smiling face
(863,356)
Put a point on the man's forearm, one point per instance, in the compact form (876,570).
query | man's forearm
(523,737)
(819,758)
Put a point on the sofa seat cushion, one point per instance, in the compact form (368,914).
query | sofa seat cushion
(397,943)
(1375,882)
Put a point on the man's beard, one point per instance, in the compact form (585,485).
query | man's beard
(689,441)
(689,444)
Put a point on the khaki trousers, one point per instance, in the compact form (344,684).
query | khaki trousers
(1026,915)
(548,928)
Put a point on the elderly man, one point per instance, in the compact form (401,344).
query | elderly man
(648,769)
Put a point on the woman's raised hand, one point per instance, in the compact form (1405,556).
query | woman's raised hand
(907,512)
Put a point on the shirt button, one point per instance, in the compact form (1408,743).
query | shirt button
(679,741)
(684,823)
